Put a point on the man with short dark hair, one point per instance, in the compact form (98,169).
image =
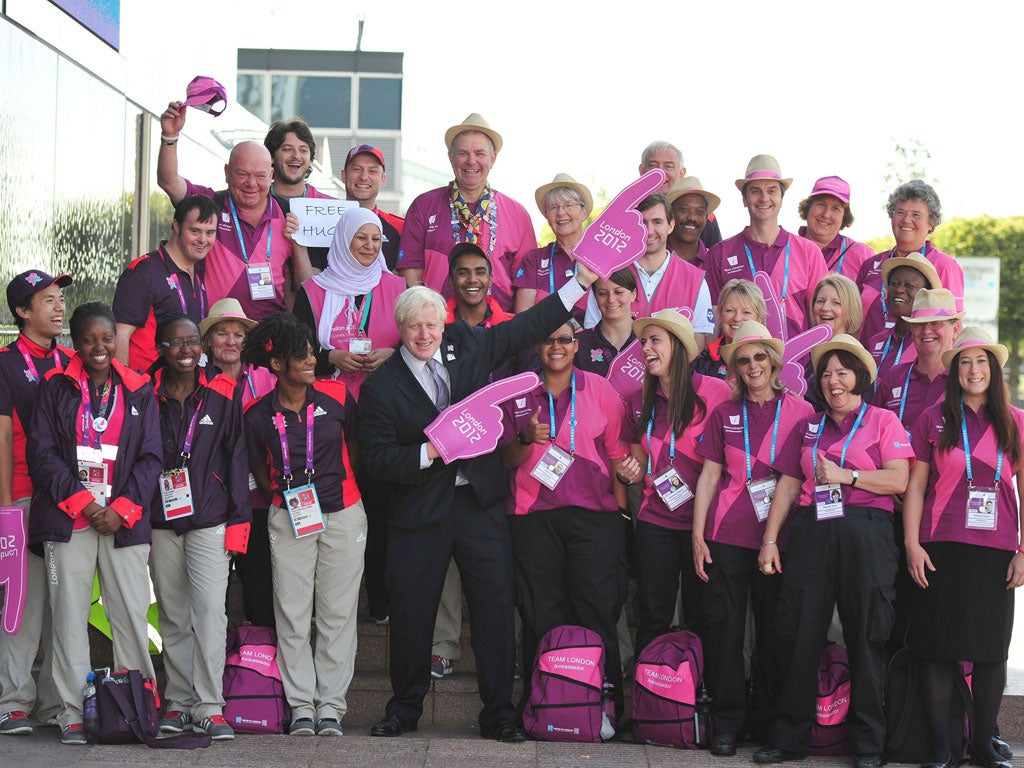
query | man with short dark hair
(691,207)
(169,279)
(37,303)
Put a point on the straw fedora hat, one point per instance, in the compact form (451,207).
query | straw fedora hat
(473,122)
(763,167)
(690,185)
(751,331)
(932,306)
(674,323)
(225,309)
(914,261)
(567,181)
(847,343)
(973,337)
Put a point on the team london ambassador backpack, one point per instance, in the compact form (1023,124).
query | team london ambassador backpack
(828,732)
(666,711)
(566,687)
(254,699)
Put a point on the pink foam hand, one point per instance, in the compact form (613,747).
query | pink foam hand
(13,565)
(618,236)
(626,372)
(795,351)
(472,427)
(775,318)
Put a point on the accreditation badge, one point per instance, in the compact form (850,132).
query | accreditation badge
(828,501)
(176,494)
(672,489)
(761,491)
(552,466)
(981,509)
(93,477)
(360,346)
(303,506)
(261,281)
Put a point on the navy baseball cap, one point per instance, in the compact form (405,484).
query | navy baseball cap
(29,284)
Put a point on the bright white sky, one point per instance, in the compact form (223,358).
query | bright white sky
(825,87)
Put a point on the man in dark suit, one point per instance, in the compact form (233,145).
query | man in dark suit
(442,511)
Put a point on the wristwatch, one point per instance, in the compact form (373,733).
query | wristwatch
(855,476)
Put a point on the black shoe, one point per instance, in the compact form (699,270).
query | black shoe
(773,754)
(868,761)
(992,763)
(951,763)
(392,725)
(1001,748)
(724,746)
(506,731)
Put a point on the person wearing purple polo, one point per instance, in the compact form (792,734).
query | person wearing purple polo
(740,301)
(467,209)
(568,541)
(251,260)
(793,263)
(903,277)
(826,212)
(36,301)
(668,157)
(664,423)
(165,281)
(915,211)
(963,524)
(566,204)
(841,471)
(596,347)
(742,438)
(692,207)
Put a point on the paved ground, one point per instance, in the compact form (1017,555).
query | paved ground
(435,747)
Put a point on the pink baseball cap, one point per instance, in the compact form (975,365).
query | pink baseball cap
(832,185)
(367,149)
(206,94)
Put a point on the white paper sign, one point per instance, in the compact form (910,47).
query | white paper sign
(317,219)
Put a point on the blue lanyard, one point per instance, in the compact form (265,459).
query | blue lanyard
(671,445)
(364,318)
(746,436)
(899,350)
(785,274)
(849,437)
(248,380)
(967,450)
(238,228)
(903,394)
(885,308)
(572,416)
(842,255)
(551,269)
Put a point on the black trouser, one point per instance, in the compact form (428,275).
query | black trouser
(418,559)
(375,501)
(732,575)
(849,562)
(570,569)
(664,555)
(256,574)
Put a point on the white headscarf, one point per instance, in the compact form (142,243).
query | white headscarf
(345,278)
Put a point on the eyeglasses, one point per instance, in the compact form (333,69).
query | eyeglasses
(562,340)
(179,343)
(567,207)
(757,357)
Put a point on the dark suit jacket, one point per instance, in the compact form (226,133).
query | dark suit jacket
(394,410)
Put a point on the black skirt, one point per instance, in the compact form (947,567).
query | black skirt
(966,613)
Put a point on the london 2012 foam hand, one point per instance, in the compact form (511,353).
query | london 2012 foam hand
(472,427)
(618,236)
(13,565)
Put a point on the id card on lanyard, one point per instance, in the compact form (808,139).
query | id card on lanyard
(762,489)
(555,462)
(93,473)
(176,484)
(259,276)
(828,497)
(982,501)
(301,503)
(361,344)
(669,485)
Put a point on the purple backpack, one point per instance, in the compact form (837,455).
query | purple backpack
(566,686)
(669,672)
(254,699)
(828,732)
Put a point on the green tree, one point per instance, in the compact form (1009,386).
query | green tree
(1003,238)
(910,161)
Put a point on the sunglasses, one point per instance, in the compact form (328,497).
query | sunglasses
(562,340)
(757,357)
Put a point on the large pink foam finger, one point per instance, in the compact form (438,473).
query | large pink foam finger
(796,349)
(13,565)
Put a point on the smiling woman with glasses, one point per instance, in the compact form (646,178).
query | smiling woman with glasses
(565,204)
(741,441)
(568,541)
